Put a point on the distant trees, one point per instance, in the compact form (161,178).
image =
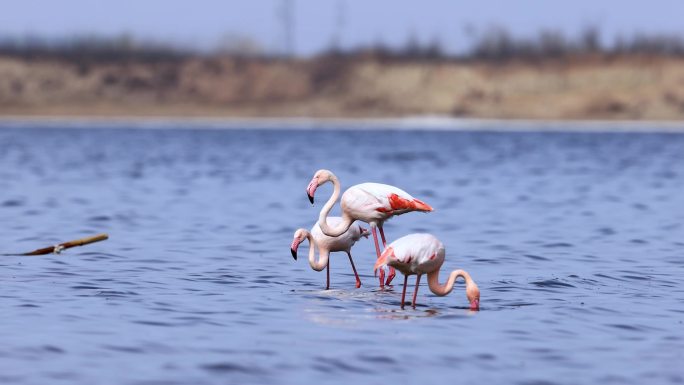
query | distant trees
(90,48)
(660,45)
(495,44)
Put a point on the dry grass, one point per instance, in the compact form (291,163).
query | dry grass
(586,88)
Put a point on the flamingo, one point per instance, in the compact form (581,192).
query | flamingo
(327,244)
(424,254)
(373,203)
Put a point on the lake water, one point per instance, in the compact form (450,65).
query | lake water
(576,241)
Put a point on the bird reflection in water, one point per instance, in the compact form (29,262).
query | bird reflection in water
(399,314)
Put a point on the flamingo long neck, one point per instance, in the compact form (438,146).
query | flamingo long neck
(323,255)
(323,216)
(438,289)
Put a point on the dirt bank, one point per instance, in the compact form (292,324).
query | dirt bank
(588,88)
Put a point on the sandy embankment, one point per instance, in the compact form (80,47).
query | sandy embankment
(587,89)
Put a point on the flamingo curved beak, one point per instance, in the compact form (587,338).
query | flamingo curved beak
(311,189)
(475,305)
(294,247)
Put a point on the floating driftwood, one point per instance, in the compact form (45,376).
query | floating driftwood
(56,249)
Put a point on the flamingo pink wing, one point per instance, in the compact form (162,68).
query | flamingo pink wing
(394,199)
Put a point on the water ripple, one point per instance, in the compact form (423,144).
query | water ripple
(195,284)
(552,283)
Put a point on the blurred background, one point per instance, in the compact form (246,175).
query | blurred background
(340,58)
(575,238)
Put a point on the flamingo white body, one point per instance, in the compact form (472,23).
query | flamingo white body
(373,203)
(418,254)
(327,244)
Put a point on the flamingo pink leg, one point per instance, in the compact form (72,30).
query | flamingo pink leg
(403,293)
(415,293)
(358,280)
(377,250)
(327,272)
(382,235)
(392,272)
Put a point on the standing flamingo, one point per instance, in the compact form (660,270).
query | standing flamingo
(424,254)
(373,203)
(327,244)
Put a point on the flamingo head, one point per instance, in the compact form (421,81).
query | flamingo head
(320,177)
(364,231)
(299,237)
(473,294)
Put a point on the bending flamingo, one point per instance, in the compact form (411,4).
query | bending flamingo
(424,254)
(373,203)
(328,244)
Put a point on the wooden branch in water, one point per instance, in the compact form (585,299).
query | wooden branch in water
(66,245)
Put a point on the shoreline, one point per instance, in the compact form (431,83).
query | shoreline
(605,91)
(408,123)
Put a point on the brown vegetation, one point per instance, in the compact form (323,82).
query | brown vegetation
(586,88)
(547,78)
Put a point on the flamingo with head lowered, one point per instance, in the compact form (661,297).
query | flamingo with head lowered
(373,203)
(424,254)
(328,244)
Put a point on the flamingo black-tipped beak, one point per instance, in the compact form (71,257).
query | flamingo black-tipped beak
(311,189)
(475,305)
(294,246)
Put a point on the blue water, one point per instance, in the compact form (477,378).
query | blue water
(576,241)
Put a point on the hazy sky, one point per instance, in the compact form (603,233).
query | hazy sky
(203,23)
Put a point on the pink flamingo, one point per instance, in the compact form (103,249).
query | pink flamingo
(327,244)
(373,203)
(424,254)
